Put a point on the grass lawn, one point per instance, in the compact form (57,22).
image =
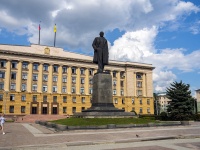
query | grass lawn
(101,121)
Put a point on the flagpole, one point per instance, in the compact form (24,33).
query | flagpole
(39,35)
(55,35)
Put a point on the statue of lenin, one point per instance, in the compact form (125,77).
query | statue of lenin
(100,47)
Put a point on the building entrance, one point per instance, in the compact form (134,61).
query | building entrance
(44,110)
(55,111)
(34,110)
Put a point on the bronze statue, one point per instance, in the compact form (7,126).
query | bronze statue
(100,47)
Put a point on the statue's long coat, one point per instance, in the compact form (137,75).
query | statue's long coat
(100,43)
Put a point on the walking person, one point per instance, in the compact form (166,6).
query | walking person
(2,121)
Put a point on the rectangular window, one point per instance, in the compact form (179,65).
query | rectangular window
(54,99)
(139,92)
(64,79)
(1,86)
(73,109)
(83,99)
(45,67)
(23,87)
(55,68)
(140,110)
(90,90)
(73,70)
(64,99)
(55,78)
(23,108)
(123,101)
(114,82)
(64,110)
(91,72)
(64,89)
(148,101)
(14,65)
(12,97)
(82,71)
(13,75)
(34,87)
(138,76)
(148,110)
(122,83)
(116,101)
(2,74)
(12,86)
(11,109)
(35,66)
(64,69)
(2,64)
(54,88)
(24,65)
(140,101)
(23,97)
(1,97)
(133,101)
(82,108)
(139,84)
(45,77)
(74,80)
(114,91)
(74,99)
(34,98)
(122,92)
(35,77)
(90,81)
(73,89)
(44,88)
(114,74)
(44,98)
(82,90)
(24,76)
(122,74)
(82,80)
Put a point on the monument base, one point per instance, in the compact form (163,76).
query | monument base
(102,102)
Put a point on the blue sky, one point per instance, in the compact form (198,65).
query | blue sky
(165,34)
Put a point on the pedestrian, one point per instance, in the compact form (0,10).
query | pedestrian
(2,121)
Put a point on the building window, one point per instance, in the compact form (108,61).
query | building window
(122,74)
(122,83)
(45,67)
(122,92)
(82,108)
(90,90)
(73,89)
(1,97)
(133,101)
(11,109)
(82,71)
(116,101)
(114,74)
(148,110)
(139,92)
(2,74)
(74,80)
(133,109)
(64,69)
(140,110)
(23,87)
(82,90)
(64,99)
(83,99)
(34,87)
(90,81)
(114,91)
(73,70)
(12,97)
(34,98)
(45,77)
(44,98)
(140,101)
(64,79)
(55,68)
(1,86)
(12,86)
(148,101)
(44,88)
(73,109)
(24,76)
(55,78)
(138,76)
(13,75)
(54,99)
(74,99)
(64,110)
(54,88)
(2,64)
(91,72)
(64,89)
(35,77)
(139,84)
(114,82)
(123,101)
(24,65)
(35,66)
(23,108)
(14,65)
(82,80)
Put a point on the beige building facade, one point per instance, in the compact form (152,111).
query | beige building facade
(39,79)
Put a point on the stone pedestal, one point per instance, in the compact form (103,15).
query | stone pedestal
(102,101)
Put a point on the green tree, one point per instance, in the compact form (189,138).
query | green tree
(181,106)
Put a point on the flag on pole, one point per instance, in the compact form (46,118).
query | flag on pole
(39,28)
(54,35)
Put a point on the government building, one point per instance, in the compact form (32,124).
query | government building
(39,79)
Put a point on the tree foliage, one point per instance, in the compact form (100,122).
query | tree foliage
(181,106)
